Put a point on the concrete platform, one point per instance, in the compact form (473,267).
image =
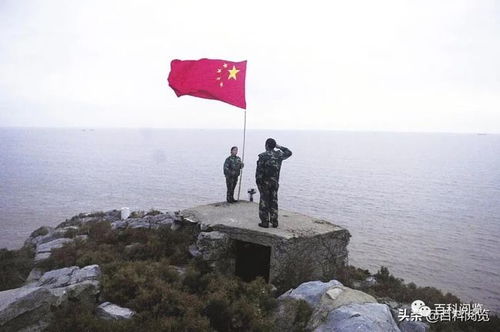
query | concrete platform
(245,215)
(302,248)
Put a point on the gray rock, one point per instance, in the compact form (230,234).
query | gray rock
(57,278)
(161,219)
(35,240)
(373,317)
(41,256)
(110,311)
(24,307)
(150,222)
(89,272)
(48,246)
(43,250)
(119,224)
(310,291)
(193,250)
(85,291)
(413,326)
(339,295)
(34,275)
(84,218)
(69,276)
(29,308)
(334,298)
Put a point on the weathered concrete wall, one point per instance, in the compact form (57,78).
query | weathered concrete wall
(316,257)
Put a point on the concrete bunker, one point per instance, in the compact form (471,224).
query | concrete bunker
(230,239)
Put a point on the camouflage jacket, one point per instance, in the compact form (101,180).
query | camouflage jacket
(232,166)
(269,165)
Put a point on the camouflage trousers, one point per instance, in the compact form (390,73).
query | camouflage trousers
(268,205)
(231,184)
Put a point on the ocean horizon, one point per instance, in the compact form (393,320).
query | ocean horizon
(426,205)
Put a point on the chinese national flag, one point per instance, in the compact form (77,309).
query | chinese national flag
(212,79)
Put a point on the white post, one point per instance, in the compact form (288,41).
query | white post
(243,152)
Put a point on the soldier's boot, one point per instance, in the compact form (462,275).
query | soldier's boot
(275,223)
(264,224)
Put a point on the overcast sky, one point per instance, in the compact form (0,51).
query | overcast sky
(346,65)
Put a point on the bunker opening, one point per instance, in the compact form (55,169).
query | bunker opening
(252,261)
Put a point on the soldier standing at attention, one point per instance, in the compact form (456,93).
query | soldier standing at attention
(267,177)
(232,167)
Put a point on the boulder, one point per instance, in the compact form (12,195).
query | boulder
(311,291)
(335,297)
(413,326)
(24,307)
(373,317)
(35,275)
(48,246)
(110,311)
(85,291)
(69,276)
(57,278)
(28,308)
(290,313)
(339,295)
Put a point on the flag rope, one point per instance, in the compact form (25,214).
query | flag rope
(243,152)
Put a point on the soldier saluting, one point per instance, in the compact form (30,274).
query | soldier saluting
(267,177)
(232,168)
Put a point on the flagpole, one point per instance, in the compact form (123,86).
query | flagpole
(243,152)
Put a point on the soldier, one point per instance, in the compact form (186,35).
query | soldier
(267,177)
(232,167)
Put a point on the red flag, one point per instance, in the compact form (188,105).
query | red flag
(212,79)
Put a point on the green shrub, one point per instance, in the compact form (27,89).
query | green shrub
(15,266)
(153,212)
(349,274)
(389,286)
(40,231)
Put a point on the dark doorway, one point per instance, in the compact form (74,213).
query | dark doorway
(252,261)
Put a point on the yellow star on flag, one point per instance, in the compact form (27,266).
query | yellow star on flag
(232,73)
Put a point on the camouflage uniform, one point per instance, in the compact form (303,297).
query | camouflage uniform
(267,177)
(232,167)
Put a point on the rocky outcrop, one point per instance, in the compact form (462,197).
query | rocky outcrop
(110,311)
(69,276)
(25,307)
(29,307)
(44,249)
(413,326)
(311,291)
(83,218)
(373,317)
(336,308)
(148,221)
